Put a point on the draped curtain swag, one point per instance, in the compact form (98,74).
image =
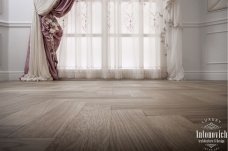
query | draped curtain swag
(46,34)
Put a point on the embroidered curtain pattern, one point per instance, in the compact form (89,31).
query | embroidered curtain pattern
(113,39)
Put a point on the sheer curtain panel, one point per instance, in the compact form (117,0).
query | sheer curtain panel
(172,22)
(113,39)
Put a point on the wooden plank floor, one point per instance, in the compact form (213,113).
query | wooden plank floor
(108,115)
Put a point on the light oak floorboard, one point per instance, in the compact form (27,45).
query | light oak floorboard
(31,113)
(131,132)
(18,106)
(88,131)
(24,144)
(7,130)
(139,115)
(50,124)
(179,133)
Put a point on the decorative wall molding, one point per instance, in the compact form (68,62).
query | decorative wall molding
(205,72)
(7,24)
(191,25)
(216,47)
(214,5)
(217,63)
(217,32)
(205,24)
(27,24)
(205,75)
(215,22)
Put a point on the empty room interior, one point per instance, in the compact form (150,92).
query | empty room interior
(113,75)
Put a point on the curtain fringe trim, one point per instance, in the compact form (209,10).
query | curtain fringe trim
(34,78)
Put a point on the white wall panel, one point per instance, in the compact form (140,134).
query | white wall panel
(1,7)
(216,47)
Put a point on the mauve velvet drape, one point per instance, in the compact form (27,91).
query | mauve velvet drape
(52,34)
(52,40)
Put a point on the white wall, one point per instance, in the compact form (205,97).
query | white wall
(204,39)
(191,38)
(15,22)
(213,43)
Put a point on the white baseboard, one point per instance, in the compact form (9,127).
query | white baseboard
(4,76)
(205,75)
(10,75)
(191,75)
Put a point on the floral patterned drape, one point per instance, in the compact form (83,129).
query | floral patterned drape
(52,33)
(51,36)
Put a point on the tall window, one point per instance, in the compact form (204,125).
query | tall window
(111,39)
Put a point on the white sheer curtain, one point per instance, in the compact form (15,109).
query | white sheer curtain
(172,21)
(113,39)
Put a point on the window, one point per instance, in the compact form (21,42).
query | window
(111,35)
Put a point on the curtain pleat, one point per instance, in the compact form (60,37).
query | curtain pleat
(46,33)
(173,38)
